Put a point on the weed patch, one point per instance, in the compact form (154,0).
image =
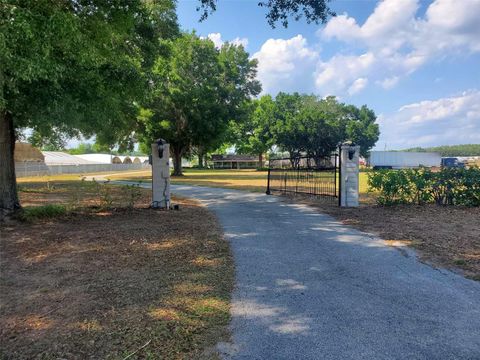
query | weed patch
(49,211)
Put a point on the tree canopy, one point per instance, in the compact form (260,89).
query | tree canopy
(252,133)
(74,67)
(451,150)
(305,125)
(197,90)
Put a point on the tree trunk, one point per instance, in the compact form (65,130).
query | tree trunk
(260,160)
(8,182)
(200,160)
(177,162)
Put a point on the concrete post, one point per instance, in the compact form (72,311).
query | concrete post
(160,174)
(349,180)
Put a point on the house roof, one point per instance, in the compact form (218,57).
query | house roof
(233,157)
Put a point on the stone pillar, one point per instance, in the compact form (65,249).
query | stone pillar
(349,179)
(160,174)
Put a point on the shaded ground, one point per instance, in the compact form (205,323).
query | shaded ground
(446,236)
(106,283)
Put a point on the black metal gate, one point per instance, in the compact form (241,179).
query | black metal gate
(304,175)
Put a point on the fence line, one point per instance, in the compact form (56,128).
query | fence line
(39,169)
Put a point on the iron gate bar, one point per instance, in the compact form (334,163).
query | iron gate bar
(304,178)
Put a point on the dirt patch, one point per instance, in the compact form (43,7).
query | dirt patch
(447,236)
(107,283)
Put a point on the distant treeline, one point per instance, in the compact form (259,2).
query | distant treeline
(451,150)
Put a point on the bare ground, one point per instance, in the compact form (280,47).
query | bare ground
(109,283)
(446,236)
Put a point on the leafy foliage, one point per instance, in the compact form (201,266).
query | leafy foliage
(315,11)
(450,186)
(253,134)
(198,89)
(79,67)
(70,68)
(305,124)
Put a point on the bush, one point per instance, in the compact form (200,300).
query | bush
(450,186)
(42,212)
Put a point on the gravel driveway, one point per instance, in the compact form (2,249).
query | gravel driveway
(309,287)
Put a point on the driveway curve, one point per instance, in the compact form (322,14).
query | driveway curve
(309,287)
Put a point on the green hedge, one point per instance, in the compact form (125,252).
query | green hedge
(449,186)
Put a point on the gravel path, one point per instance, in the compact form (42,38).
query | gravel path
(308,287)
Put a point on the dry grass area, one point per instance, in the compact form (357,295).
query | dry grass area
(447,236)
(108,282)
(247,179)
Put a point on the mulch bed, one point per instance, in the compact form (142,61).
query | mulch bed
(447,236)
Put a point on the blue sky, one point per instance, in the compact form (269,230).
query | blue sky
(416,63)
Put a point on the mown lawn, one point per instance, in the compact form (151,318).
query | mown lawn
(102,279)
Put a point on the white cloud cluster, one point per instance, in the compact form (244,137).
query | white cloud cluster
(450,120)
(218,41)
(398,42)
(286,65)
(392,43)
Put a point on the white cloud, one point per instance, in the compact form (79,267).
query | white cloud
(330,81)
(357,85)
(389,83)
(286,65)
(218,41)
(450,120)
(240,41)
(399,42)
(216,38)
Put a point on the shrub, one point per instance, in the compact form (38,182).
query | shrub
(42,212)
(103,194)
(450,186)
(134,193)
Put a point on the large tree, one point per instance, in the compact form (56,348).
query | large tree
(307,125)
(73,67)
(288,131)
(361,127)
(198,89)
(253,135)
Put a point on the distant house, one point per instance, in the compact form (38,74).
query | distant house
(235,162)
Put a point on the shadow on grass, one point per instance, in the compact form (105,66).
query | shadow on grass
(101,286)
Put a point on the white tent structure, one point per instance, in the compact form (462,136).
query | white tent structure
(113,159)
(61,158)
(97,158)
(57,162)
